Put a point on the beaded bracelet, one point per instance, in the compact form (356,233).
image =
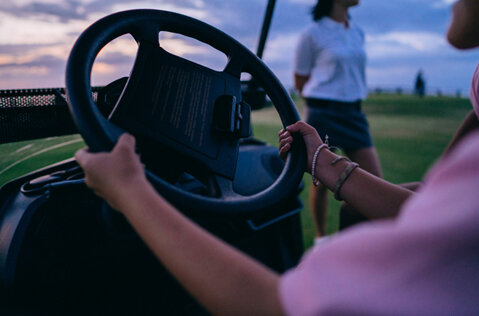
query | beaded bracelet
(342,178)
(313,165)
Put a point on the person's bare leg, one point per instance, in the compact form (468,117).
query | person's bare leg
(367,158)
(318,202)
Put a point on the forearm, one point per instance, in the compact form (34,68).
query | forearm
(221,278)
(369,195)
(299,82)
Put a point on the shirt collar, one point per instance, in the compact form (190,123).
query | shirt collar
(330,23)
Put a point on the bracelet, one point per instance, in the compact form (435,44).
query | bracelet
(342,178)
(313,164)
(339,159)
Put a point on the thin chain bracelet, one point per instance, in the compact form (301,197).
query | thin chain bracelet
(313,164)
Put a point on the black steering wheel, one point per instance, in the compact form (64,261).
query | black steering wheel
(194,111)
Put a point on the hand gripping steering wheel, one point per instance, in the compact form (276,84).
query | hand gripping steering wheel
(192,110)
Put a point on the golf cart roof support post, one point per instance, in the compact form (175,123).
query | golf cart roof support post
(265,29)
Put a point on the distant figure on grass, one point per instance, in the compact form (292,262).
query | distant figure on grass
(329,73)
(420,84)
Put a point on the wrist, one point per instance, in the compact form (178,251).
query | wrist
(128,194)
(326,172)
(314,162)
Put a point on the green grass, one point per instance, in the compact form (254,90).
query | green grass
(409,134)
(19,158)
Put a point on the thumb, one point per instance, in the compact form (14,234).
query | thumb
(81,156)
(293,128)
(299,126)
(125,142)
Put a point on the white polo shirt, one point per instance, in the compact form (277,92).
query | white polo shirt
(334,57)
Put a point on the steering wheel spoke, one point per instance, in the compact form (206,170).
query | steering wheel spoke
(222,187)
(235,65)
(137,85)
(133,87)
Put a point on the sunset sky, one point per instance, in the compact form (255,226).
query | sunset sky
(402,37)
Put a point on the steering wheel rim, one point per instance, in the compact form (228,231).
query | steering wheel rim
(101,135)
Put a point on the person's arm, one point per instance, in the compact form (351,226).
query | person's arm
(370,195)
(299,82)
(222,279)
(303,61)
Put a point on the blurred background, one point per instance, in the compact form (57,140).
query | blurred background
(402,37)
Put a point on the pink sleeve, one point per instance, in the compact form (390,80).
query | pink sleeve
(474,92)
(426,262)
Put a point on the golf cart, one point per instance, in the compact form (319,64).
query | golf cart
(63,250)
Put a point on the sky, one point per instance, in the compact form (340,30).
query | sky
(402,36)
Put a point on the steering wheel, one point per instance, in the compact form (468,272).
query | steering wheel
(194,111)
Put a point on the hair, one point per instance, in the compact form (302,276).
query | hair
(321,9)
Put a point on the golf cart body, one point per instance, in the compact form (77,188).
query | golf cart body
(63,250)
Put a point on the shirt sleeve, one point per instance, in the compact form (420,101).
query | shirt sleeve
(304,55)
(424,262)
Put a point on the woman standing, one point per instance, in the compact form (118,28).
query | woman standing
(329,73)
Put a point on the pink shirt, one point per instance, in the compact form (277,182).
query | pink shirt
(474,94)
(426,262)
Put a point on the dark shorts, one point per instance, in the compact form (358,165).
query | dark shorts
(343,122)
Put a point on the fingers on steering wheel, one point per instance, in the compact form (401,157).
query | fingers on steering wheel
(285,140)
(283,133)
(83,156)
(283,150)
(299,126)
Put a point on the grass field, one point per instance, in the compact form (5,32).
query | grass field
(409,134)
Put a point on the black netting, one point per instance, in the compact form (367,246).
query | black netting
(35,113)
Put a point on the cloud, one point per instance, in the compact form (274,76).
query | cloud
(40,72)
(124,46)
(75,10)
(12,71)
(195,51)
(36,61)
(63,11)
(281,47)
(22,31)
(21,56)
(14,49)
(443,3)
(379,16)
(103,68)
(392,44)
(308,2)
